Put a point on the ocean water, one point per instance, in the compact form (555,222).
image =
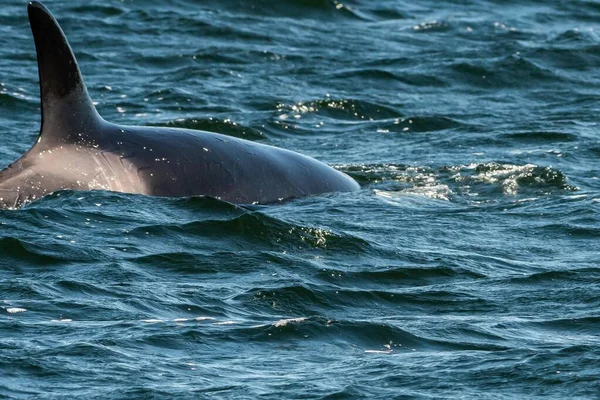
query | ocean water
(466,267)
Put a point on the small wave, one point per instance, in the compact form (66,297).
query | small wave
(315,300)
(98,10)
(369,336)
(90,350)
(319,116)
(571,37)
(423,80)
(206,27)
(512,71)
(22,251)
(58,203)
(190,263)
(217,55)
(399,276)
(551,277)
(303,9)
(573,230)
(566,328)
(385,12)
(418,124)
(172,97)
(261,229)
(225,127)
(15,100)
(111,207)
(75,287)
(342,109)
(540,137)
(369,75)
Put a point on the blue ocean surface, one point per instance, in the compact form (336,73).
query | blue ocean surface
(467,266)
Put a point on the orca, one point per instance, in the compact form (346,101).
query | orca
(78,150)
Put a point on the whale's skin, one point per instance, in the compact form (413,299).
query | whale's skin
(78,150)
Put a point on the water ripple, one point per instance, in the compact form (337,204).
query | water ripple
(465,265)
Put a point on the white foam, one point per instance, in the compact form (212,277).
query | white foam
(15,310)
(284,322)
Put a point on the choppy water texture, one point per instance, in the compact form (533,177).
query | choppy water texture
(467,266)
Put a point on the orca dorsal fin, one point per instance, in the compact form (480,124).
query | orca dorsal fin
(67,109)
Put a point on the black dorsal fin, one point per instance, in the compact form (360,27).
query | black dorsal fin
(67,110)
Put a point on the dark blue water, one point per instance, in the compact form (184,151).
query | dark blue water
(467,266)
